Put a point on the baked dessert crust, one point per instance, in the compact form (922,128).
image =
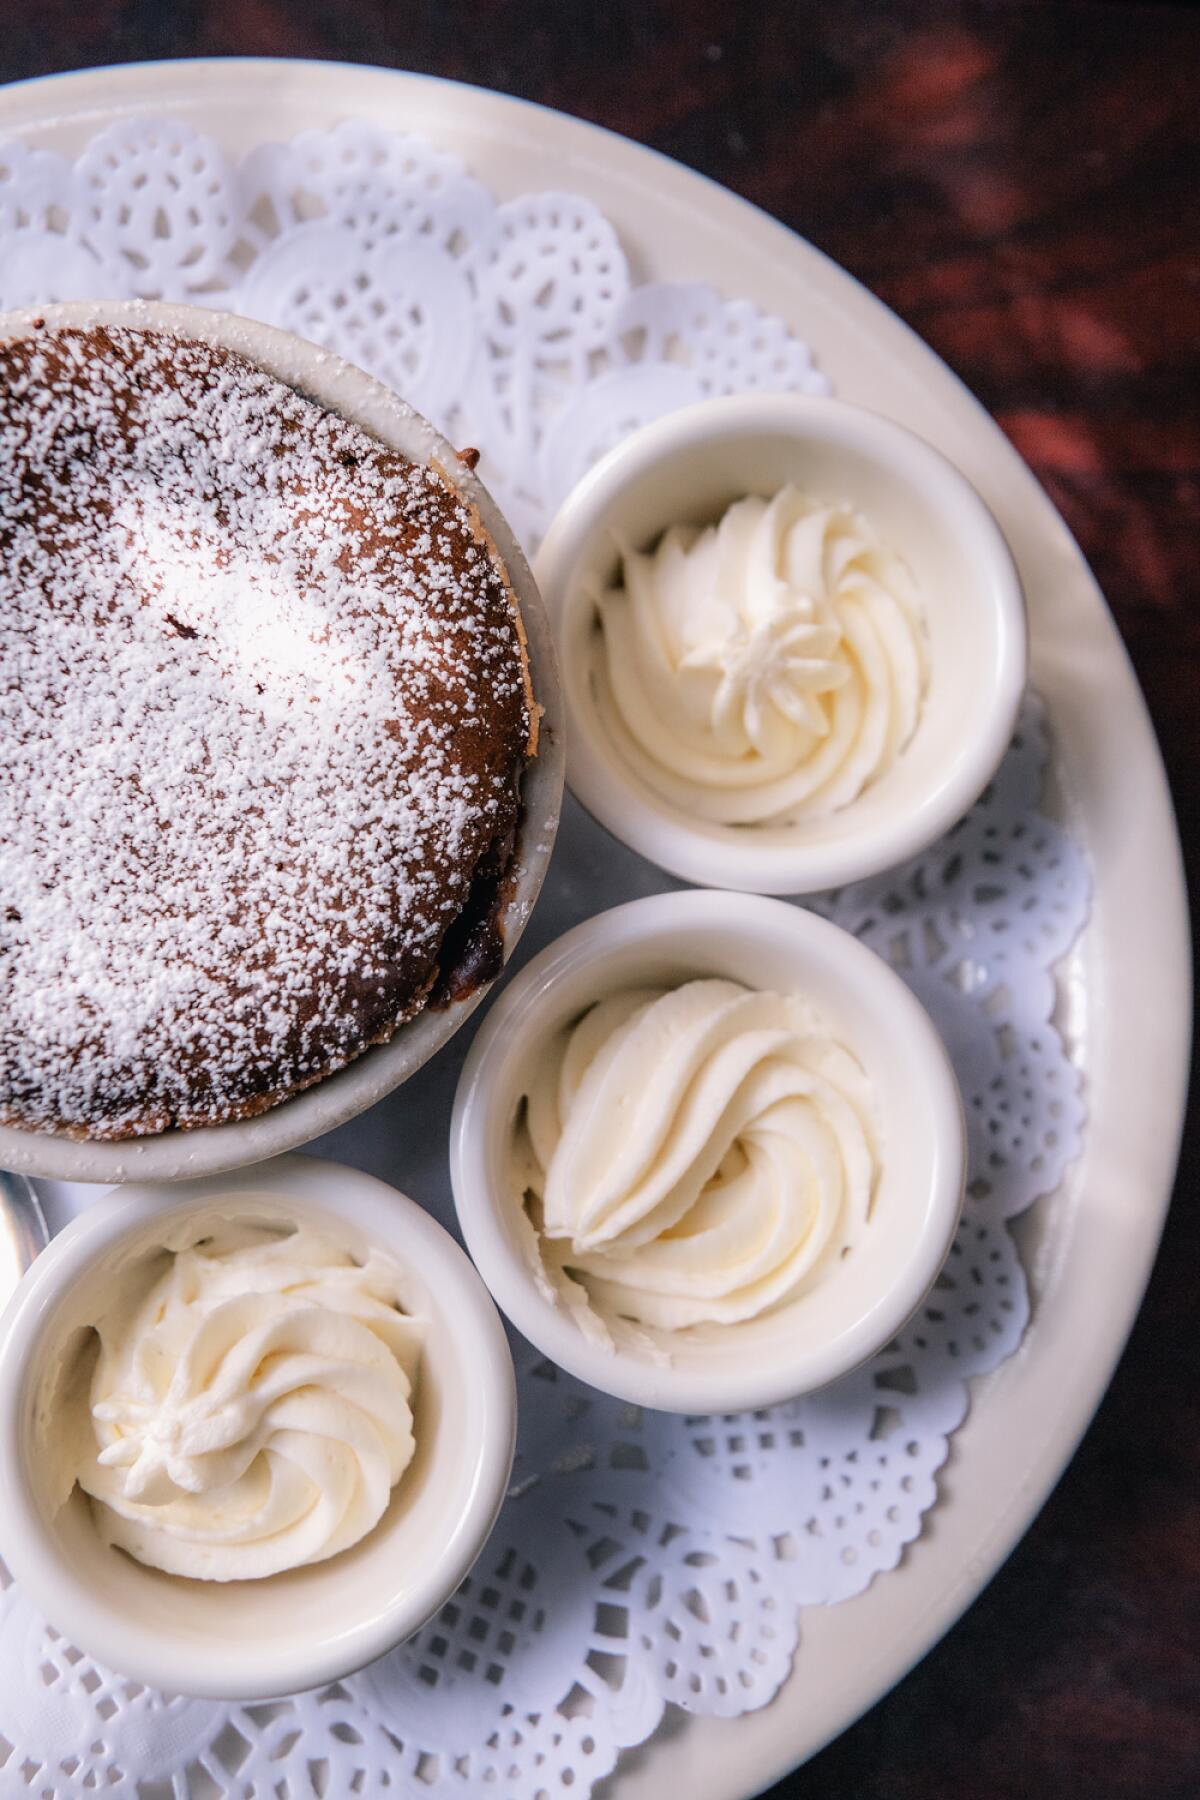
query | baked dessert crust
(265,709)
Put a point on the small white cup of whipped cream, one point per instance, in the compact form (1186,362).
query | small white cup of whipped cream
(254,1429)
(793,642)
(708,1152)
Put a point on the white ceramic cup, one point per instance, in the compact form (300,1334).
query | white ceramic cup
(256,1639)
(769,945)
(339,386)
(687,469)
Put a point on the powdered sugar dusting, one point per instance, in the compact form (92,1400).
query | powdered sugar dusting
(263,713)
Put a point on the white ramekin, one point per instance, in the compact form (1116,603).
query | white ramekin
(257,1639)
(181,1155)
(769,945)
(687,468)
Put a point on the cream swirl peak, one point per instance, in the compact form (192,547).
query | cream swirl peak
(694,1155)
(767,668)
(250,1406)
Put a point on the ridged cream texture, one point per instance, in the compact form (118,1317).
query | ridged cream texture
(694,1155)
(765,669)
(250,1407)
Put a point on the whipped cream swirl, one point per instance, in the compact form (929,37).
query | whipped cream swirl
(694,1155)
(766,669)
(250,1407)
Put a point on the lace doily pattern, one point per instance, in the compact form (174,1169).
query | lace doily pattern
(513,325)
(642,1560)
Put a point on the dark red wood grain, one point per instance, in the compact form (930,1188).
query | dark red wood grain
(1020,181)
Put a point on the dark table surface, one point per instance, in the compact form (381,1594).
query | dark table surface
(1019,181)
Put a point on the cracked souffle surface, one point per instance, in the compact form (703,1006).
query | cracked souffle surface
(264,711)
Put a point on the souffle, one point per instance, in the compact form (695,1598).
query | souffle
(265,709)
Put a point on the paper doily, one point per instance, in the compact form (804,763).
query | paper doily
(514,327)
(641,1559)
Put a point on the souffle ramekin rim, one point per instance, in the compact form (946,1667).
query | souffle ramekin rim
(343,387)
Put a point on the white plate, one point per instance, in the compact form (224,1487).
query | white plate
(1126,986)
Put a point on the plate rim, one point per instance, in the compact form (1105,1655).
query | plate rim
(783,1736)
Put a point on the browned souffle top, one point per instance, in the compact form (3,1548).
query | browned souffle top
(264,709)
